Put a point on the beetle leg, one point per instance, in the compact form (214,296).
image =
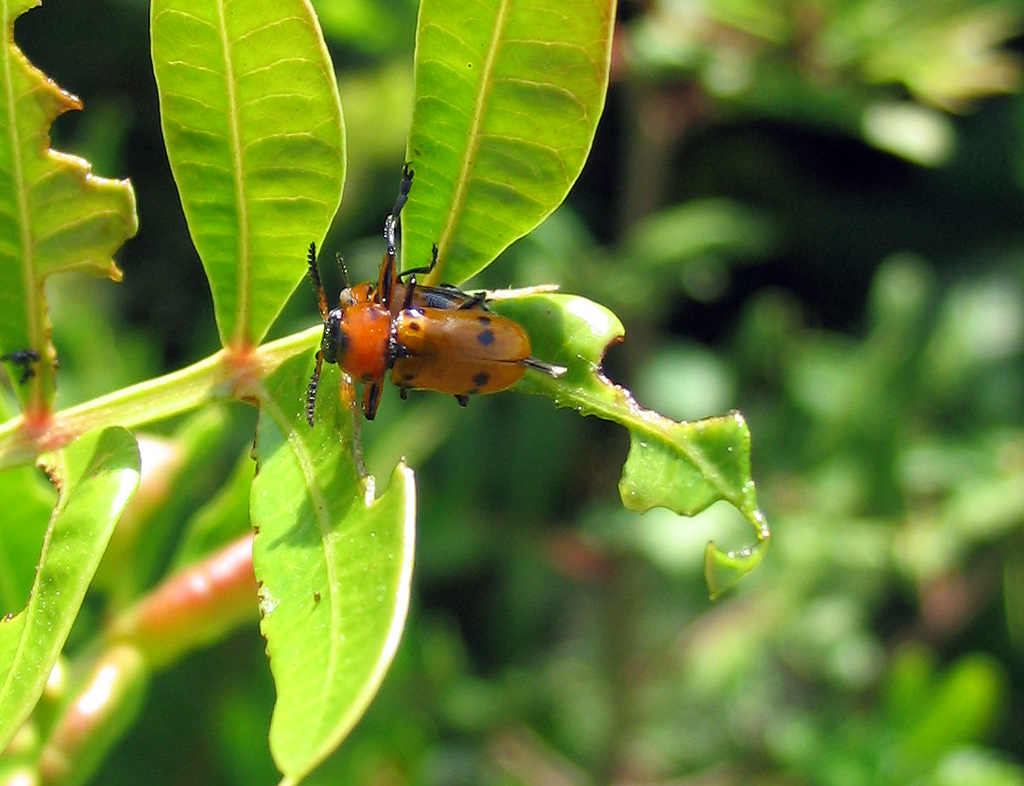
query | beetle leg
(418,270)
(392,236)
(403,189)
(408,292)
(405,275)
(387,278)
(477,300)
(392,225)
(463,400)
(371,398)
(404,393)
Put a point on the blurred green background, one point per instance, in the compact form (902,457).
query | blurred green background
(809,211)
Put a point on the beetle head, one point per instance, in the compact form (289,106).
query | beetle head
(335,339)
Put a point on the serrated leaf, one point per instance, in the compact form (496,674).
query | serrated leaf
(54,214)
(682,466)
(254,133)
(334,567)
(96,475)
(508,96)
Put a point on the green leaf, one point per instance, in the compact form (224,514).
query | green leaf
(945,54)
(682,466)
(507,102)
(333,565)
(95,475)
(54,214)
(962,707)
(28,502)
(254,134)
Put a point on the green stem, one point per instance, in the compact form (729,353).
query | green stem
(225,375)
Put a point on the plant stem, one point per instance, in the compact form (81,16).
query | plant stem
(192,608)
(225,375)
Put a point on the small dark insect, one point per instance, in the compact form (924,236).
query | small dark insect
(25,359)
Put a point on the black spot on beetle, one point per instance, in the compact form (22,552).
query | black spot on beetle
(480,379)
(484,320)
(485,337)
(408,377)
(415,326)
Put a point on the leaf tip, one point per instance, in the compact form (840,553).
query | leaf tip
(723,569)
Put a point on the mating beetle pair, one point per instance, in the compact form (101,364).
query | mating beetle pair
(432,338)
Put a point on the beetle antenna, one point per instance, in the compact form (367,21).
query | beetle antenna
(314,275)
(314,381)
(343,269)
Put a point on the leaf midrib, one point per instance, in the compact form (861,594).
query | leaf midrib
(476,121)
(320,506)
(242,316)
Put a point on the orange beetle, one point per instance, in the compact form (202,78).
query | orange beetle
(432,338)
(461,352)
